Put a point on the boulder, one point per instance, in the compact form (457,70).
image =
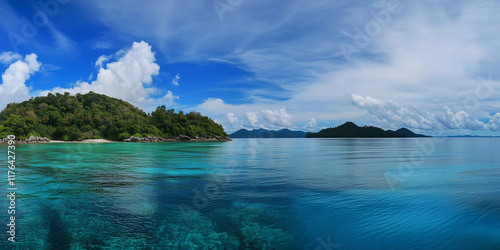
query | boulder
(184,138)
(135,139)
(127,140)
(32,138)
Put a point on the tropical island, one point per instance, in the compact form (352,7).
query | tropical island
(351,130)
(95,116)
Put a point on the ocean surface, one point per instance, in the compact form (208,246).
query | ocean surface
(395,193)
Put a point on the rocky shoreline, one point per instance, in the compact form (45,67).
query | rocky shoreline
(180,138)
(31,140)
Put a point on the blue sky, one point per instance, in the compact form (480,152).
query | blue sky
(431,66)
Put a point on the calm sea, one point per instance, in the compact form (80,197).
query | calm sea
(431,193)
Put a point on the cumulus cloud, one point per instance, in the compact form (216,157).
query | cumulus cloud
(311,125)
(389,111)
(394,114)
(278,118)
(494,123)
(253,119)
(458,120)
(232,122)
(126,78)
(13,87)
(232,119)
(252,116)
(414,58)
(176,79)
(169,98)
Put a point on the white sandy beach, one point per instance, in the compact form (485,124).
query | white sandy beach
(84,141)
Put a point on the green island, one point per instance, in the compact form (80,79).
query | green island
(351,130)
(95,116)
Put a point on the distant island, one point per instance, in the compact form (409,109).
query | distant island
(264,133)
(351,130)
(346,130)
(95,116)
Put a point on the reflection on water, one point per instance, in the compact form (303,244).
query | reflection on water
(258,194)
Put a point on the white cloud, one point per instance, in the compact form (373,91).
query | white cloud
(494,123)
(278,118)
(232,119)
(311,125)
(269,114)
(169,98)
(175,81)
(214,104)
(9,57)
(395,115)
(253,119)
(389,111)
(126,78)
(102,60)
(13,87)
(458,120)
(232,122)
(428,56)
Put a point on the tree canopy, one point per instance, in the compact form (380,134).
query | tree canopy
(95,116)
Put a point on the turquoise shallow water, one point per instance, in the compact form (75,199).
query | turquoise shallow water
(258,194)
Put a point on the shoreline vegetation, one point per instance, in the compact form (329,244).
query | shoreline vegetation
(181,138)
(94,117)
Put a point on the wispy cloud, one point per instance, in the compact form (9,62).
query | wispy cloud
(427,56)
(176,79)
(426,50)
(8,57)
(102,60)
(101,44)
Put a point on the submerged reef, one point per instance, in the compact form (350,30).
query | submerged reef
(240,225)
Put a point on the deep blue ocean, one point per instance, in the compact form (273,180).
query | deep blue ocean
(395,193)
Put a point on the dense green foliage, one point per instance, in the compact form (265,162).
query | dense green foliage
(351,130)
(94,116)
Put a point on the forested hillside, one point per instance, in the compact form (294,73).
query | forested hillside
(96,116)
(351,130)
